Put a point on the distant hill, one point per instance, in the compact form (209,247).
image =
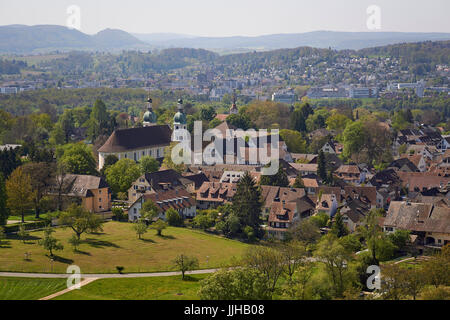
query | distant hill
(27,39)
(31,39)
(161,37)
(317,39)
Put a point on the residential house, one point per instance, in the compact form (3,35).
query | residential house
(305,168)
(157,182)
(403,165)
(177,199)
(271,194)
(284,214)
(327,203)
(214,194)
(429,222)
(332,147)
(417,159)
(349,173)
(91,192)
(422,181)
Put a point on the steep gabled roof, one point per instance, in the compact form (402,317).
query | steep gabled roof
(80,185)
(123,140)
(423,217)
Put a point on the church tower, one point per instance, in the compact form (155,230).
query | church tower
(234,109)
(179,124)
(149,115)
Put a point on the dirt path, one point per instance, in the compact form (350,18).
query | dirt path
(82,283)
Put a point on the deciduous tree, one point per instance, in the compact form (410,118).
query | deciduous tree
(185,263)
(80,220)
(20,193)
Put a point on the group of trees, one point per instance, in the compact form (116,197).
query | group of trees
(325,269)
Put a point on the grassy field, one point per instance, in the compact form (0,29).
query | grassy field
(157,288)
(29,289)
(118,245)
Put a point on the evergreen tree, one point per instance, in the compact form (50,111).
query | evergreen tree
(247,204)
(338,228)
(9,161)
(297,121)
(279,179)
(299,182)
(4,212)
(330,178)
(321,168)
(99,122)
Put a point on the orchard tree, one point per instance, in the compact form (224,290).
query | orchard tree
(23,233)
(50,243)
(80,220)
(140,228)
(185,263)
(159,226)
(74,242)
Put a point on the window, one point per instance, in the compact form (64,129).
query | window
(99,191)
(99,199)
(99,207)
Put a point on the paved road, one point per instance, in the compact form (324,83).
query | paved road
(105,275)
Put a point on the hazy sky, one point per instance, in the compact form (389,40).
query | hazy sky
(231,17)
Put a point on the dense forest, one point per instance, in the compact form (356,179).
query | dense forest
(11,67)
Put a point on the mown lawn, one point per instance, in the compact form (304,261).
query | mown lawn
(118,245)
(29,289)
(154,288)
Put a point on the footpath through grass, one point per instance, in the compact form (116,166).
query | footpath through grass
(118,245)
(156,288)
(29,289)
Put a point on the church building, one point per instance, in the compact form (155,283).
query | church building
(134,143)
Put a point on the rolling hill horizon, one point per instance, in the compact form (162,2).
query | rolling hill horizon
(22,39)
